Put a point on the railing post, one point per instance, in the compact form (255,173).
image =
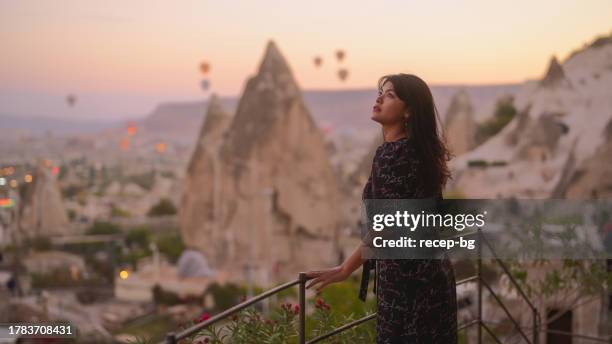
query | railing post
(479,273)
(536,330)
(170,338)
(302,329)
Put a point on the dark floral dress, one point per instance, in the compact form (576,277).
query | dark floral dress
(416,298)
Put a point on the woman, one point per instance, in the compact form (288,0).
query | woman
(416,298)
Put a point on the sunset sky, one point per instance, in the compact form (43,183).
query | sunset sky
(123,57)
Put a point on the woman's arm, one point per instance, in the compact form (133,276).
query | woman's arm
(354,261)
(338,273)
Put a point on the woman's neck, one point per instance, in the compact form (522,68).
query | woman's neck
(393,134)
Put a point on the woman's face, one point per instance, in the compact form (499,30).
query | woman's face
(389,109)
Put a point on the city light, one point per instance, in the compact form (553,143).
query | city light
(7,171)
(6,202)
(124,143)
(131,129)
(123,274)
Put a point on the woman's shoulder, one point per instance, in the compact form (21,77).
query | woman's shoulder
(397,144)
(402,149)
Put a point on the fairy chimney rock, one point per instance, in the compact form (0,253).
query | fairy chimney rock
(42,211)
(277,193)
(197,211)
(555,76)
(216,120)
(460,124)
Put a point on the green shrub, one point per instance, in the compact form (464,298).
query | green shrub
(504,113)
(63,170)
(102,227)
(72,190)
(39,243)
(118,212)
(132,258)
(163,297)
(455,193)
(477,163)
(71,213)
(224,296)
(81,197)
(485,164)
(163,207)
(171,246)
(61,278)
(148,329)
(105,269)
(139,236)
(144,180)
(281,326)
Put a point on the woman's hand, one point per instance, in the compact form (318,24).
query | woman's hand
(327,276)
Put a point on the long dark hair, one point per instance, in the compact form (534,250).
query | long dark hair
(422,127)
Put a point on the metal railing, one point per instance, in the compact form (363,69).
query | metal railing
(173,338)
(481,282)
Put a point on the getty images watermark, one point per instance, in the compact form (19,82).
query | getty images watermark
(503,228)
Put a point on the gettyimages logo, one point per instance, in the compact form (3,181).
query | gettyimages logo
(413,221)
(500,228)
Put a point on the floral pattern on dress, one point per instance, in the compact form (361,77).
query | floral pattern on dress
(416,298)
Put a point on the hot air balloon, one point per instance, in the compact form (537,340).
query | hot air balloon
(340,55)
(204,67)
(317,61)
(71,99)
(131,128)
(205,84)
(124,143)
(343,74)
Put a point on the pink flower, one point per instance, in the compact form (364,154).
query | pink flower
(296,309)
(319,301)
(286,306)
(202,317)
(320,304)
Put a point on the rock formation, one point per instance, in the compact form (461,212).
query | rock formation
(553,147)
(555,76)
(593,178)
(542,137)
(460,125)
(197,211)
(41,210)
(277,191)
(521,122)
